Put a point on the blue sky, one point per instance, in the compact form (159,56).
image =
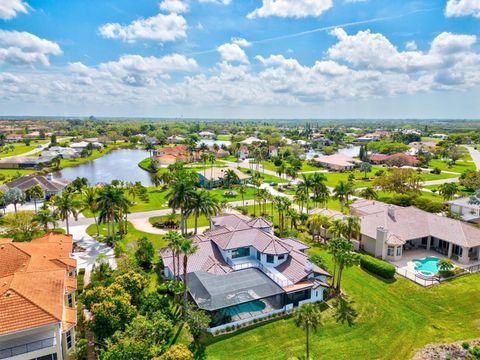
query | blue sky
(241,58)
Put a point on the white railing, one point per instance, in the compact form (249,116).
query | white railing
(419,279)
(258,265)
(232,324)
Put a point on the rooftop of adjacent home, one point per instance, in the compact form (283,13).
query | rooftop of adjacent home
(34,278)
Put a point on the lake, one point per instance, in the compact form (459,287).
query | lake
(121,164)
(351,151)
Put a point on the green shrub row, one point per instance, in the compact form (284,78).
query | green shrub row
(378,267)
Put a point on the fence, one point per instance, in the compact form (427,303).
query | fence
(473,268)
(419,279)
(26,348)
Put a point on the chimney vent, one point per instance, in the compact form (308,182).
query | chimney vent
(391,211)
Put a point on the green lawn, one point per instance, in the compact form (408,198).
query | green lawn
(459,167)
(131,237)
(7,175)
(269,165)
(426,176)
(395,320)
(267,178)
(21,148)
(224,137)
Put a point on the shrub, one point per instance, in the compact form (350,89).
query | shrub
(436,171)
(378,267)
(465,345)
(475,351)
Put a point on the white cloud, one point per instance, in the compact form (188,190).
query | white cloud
(174,6)
(160,27)
(10,8)
(411,45)
(291,8)
(23,48)
(463,8)
(241,42)
(232,52)
(223,2)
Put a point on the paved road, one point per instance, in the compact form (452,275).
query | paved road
(475,154)
(439,182)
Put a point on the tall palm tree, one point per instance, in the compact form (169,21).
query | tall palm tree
(448,190)
(342,191)
(316,223)
(179,196)
(300,196)
(333,247)
(188,248)
(306,184)
(45,217)
(204,157)
(229,178)
(66,205)
(337,227)
(242,190)
(90,202)
(174,239)
(156,179)
(368,193)
(150,147)
(352,227)
(112,204)
(35,193)
(308,317)
(202,202)
(345,258)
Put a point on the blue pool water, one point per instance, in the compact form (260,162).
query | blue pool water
(427,266)
(253,306)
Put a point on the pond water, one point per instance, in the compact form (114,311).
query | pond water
(351,151)
(210,142)
(121,164)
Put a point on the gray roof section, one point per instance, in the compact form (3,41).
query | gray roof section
(213,292)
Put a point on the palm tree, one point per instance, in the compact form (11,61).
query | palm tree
(204,157)
(202,202)
(229,178)
(316,223)
(150,147)
(341,192)
(337,227)
(90,202)
(368,193)
(188,248)
(345,258)
(45,217)
(242,190)
(156,179)
(179,196)
(66,205)
(306,184)
(174,239)
(35,193)
(445,264)
(352,227)
(111,204)
(294,217)
(300,196)
(448,190)
(366,168)
(333,247)
(308,317)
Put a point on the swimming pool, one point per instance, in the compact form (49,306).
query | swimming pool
(427,266)
(252,306)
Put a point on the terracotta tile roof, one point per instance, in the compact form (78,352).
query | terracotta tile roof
(69,318)
(33,282)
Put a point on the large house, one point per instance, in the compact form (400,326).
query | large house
(37,298)
(467,209)
(214,176)
(49,185)
(171,154)
(388,231)
(242,271)
(337,162)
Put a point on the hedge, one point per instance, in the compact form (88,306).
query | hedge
(378,267)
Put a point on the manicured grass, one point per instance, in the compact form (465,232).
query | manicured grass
(269,165)
(7,175)
(224,137)
(395,320)
(145,164)
(459,167)
(267,178)
(131,237)
(424,194)
(21,148)
(426,176)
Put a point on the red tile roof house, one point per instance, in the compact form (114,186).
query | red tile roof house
(243,272)
(389,232)
(37,298)
(400,158)
(168,155)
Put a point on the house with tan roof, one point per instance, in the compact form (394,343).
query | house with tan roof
(213,177)
(242,271)
(337,162)
(389,231)
(37,298)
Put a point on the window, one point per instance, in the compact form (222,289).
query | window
(241,252)
(70,300)
(390,250)
(259,256)
(399,250)
(270,259)
(68,337)
(281,257)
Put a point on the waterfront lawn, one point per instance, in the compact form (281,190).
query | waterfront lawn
(21,148)
(202,220)
(395,319)
(459,167)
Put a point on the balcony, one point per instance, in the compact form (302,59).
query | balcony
(11,351)
(272,273)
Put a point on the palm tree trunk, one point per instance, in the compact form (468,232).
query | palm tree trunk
(35,204)
(174,267)
(185,299)
(15,207)
(196,224)
(341,205)
(113,229)
(308,200)
(96,223)
(68,226)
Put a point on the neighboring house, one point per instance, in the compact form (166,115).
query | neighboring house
(251,140)
(174,139)
(79,146)
(224,132)
(468,211)
(337,162)
(168,155)
(368,138)
(26,162)
(242,271)
(14,138)
(206,134)
(243,152)
(387,231)
(151,140)
(439,136)
(49,185)
(213,177)
(398,158)
(64,153)
(272,151)
(37,298)
(220,153)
